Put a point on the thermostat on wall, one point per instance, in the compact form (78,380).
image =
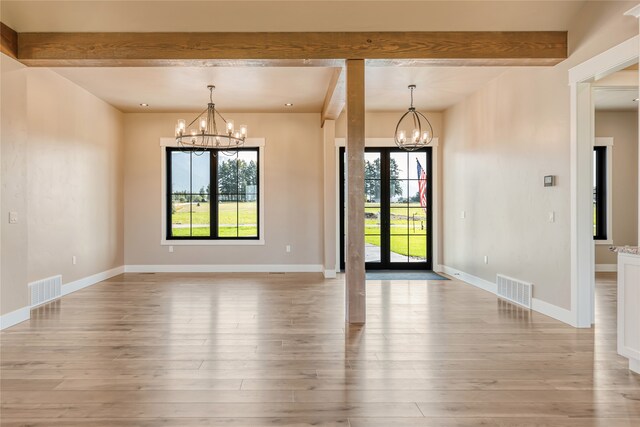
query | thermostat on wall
(549,180)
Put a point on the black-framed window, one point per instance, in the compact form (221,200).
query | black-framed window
(600,193)
(212,195)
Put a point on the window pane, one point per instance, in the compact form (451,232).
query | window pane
(371,165)
(417,219)
(421,157)
(180,215)
(417,249)
(399,248)
(399,166)
(248,172)
(248,219)
(200,217)
(227,216)
(180,172)
(200,172)
(398,192)
(372,249)
(372,190)
(399,220)
(372,218)
(227,173)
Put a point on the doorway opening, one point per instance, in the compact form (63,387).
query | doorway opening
(398,209)
(584,159)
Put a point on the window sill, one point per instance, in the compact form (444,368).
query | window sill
(607,242)
(165,242)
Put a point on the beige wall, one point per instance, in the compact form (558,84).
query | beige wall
(383,124)
(62,163)
(498,144)
(623,127)
(13,191)
(293,193)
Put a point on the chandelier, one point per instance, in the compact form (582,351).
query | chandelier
(202,133)
(421,132)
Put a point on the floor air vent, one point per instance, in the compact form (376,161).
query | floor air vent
(514,290)
(45,290)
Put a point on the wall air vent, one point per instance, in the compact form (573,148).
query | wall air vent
(45,290)
(514,290)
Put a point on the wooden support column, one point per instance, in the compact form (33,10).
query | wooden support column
(355,274)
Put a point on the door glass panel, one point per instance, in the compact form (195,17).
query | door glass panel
(399,165)
(398,220)
(399,248)
(417,219)
(417,248)
(372,175)
(398,191)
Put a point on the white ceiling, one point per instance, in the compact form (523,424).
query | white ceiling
(238,89)
(615,99)
(267,89)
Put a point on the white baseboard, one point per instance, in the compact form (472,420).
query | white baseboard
(561,314)
(438,268)
(76,285)
(553,311)
(330,274)
(15,317)
(24,313)
(470,279)
(606,267)
(228,268)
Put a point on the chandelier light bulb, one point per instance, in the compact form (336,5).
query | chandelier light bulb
(182,126)
(230,127)
(243,130)
(203,124)
(402,136)
(425,136)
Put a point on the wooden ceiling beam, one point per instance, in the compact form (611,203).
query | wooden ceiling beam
(158,49)
(335,98)
(8,41)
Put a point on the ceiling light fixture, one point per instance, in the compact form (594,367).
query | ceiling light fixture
(202,133)
(636,99)
(288,104)
(144,104)
(421,133)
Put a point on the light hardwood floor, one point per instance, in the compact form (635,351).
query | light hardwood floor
(272,350)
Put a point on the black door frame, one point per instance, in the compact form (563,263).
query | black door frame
(385,203)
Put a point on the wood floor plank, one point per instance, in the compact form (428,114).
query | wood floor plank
(256,350)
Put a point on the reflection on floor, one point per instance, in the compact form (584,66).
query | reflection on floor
(272,350)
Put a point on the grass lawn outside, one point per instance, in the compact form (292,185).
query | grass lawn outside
(245,216)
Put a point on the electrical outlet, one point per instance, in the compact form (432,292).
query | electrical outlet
(552,216)
(13,217)
(170,248)
(463,214)
(74,260)
(486,259)
(288,248)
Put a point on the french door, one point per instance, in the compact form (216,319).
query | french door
(397,209)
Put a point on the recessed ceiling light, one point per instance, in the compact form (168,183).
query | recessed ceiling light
(288,104)
(144,104)
(635,100)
